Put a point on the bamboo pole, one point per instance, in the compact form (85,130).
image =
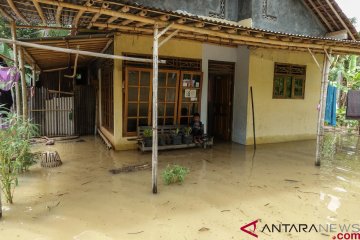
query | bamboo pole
(321,114)
(73,51)
(155,110)
(23,84)
(17,90)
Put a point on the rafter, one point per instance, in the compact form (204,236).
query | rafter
(321,16)
(6,15)
(58,14)
(340,19)
(40,11)
(17,12)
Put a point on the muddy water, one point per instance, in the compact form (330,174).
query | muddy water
(228,187)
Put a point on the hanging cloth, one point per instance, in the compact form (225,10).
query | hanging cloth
(8,76)
(353,105)
(330,110)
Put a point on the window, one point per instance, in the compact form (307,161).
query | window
(167,97)
(289,81)
(138,96)
(172,108)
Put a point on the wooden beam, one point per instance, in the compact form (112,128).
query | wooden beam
(340,19)
(58,14)
(142,13)
(119,27)
(168,38)
(23,84)
(73,51)
(181,20)
(321,112)
(17,90)
(154,157)
(164,18)
(321,15)
(124,9)
(6,15)
(17,12)
(40,11)
(320,3)
(348,48)
(315,60)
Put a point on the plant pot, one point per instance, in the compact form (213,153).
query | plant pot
(148,141)
(161,141)
(168,140)
(187,139)
(176,140)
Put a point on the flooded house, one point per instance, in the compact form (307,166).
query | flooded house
(214,52)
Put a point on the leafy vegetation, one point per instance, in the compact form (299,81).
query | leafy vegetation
(345,75)
(15,155)
(148,133)
(187,131)
(174,174)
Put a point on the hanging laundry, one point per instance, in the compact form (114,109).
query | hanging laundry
(330,110)
(353,105)
(8,76)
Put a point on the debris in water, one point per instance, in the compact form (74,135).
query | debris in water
(130,168)
(204,229)
(136,232)
(86,182)
(291,180)
(51,207)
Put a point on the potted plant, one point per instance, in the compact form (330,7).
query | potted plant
(162,140)
(148,137)
(187,138)
(176,137)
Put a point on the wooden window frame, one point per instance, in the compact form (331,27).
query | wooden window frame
(107,98)
(293,78)
(149,117)
(176,95)
(126,117)
(179,116)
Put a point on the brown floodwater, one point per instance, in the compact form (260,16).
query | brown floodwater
(228,186)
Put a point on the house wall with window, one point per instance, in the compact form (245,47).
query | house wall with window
(282,119)
(140,45)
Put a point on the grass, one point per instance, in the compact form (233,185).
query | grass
(174,174)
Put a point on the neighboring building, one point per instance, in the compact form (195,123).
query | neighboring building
(212,75)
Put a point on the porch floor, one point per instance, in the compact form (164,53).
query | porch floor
(228,186)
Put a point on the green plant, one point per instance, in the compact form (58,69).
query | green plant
(187,131)
(148,133)
(15,156)
(175,132)
(174,174)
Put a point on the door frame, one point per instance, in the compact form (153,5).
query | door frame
(228,69)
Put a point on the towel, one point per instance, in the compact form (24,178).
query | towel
(330,110)
(353,105)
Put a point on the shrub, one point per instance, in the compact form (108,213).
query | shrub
(174,174)
(15,156)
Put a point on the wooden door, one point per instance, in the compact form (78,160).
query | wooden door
(220,97)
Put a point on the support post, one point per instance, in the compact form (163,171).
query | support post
(23,84)
(17,90)
(321,114)
(154,109)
